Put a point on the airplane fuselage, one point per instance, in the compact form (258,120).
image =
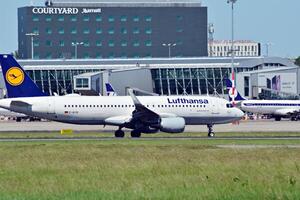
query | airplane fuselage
(97,110)
(273,107)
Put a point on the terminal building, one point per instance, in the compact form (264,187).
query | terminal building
(112,29)
(257,77)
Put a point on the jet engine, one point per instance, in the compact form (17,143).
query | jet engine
(172,124)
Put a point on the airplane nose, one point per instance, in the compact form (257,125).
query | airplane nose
(239,114)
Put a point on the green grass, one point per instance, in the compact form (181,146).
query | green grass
(141,169)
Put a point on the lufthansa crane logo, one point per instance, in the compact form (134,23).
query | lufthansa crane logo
(15,76)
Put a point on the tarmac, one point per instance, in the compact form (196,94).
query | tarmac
(268,125)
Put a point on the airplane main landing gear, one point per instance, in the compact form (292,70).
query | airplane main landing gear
(119,133)
(135,134)
(210,130)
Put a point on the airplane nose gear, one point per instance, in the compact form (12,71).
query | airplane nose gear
(210,130)
(119,133)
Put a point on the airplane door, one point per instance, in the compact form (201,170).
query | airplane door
(51,107)
(215,109)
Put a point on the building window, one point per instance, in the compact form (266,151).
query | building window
(179,42)
(86,43)
(148,43)
(86,18)
(123,30)
(73,19)
(136,44)
(123,18)
(179,18)
(48,31)
(111,31)
(98,18)
(136,31)
(35,18)
(35,30)
(48,43)
(111,19)
(136,19)
(111,55)
(148,18)
(61,18)
(48,19)
(86,31)
(82,83)
(99,31)
(148,31)
(48,56)
(111,43)
(61,43)
(74,31)
(98,43)
(36,43)
(61,31)
(86,55)
(123,55)
(98,55)
(179,30)
(124,44)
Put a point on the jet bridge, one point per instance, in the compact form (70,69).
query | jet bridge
(93,83)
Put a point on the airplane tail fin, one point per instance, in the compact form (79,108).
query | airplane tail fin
(18,83)
(233,92)
(110,90)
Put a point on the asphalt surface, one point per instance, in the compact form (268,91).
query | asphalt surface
(243,126)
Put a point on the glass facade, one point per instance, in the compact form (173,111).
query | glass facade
(192,81)
(58,81)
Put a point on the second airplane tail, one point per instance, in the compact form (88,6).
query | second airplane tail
(18,83)
(237,96)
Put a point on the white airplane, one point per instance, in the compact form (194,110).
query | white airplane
(143,114)
(275,108)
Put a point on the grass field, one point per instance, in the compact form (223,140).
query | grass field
(142,169)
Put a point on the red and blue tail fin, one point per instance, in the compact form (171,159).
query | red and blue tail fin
(18,83)
(233,92)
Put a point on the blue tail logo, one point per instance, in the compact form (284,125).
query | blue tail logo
(18,83)
(110,90)
(233,93)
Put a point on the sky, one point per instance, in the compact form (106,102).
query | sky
(266,21)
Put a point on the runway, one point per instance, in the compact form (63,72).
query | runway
(145,138)
(243,126)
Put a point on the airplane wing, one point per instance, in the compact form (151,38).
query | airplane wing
(287,112)
(142,113)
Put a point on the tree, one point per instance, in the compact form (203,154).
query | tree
(297,61)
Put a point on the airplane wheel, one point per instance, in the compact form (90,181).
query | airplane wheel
(119,134)
(211,134)
(277,118)
(135,134)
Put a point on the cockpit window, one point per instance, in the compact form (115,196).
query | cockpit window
(229,105)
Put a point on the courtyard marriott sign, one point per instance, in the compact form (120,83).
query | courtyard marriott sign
(64,11)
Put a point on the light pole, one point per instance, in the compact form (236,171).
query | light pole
(268,45)
(232,46)
(32,35)
(169,45)
(75,44)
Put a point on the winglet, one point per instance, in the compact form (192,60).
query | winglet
(18,83)
(134,98)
